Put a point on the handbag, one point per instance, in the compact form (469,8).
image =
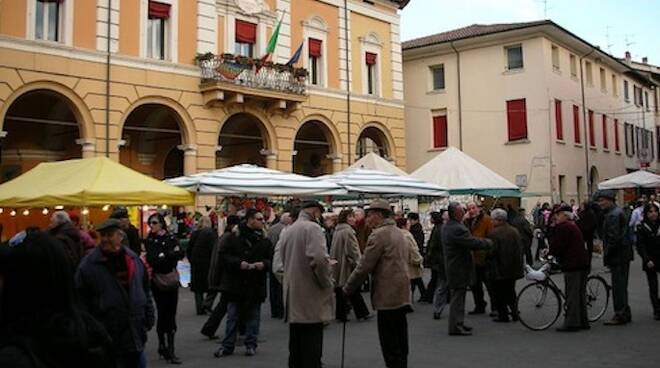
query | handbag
(167,281)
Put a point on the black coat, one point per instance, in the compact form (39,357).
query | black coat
(417,232)
(524,229)
(506,255)
(199,254)
(458,245)
(616,242)
(168,246)
(648,243)
(435,253)
(69,235)
(133,240)
(126,316)
(245,245)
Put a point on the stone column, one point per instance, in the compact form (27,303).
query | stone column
(88,147)
(336,163)
(271,158)
(189,158)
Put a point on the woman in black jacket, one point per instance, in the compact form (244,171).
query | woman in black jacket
(648,247)
(199,253)
(163,254)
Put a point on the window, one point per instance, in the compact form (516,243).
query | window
(517,119)
(573,65)
(555,58)
(617,146)
(48,20)
(246,37)
(646,101)
(159,14)
(605,143)
(576,125)
(558,121)
(626,94)
(438,73)
(592,133)
(590,77)
(514,56)
(603,80)
(370,61)
(626,137)
(637,139)
(637,95)
(440,131)
(314,50)
(615,88)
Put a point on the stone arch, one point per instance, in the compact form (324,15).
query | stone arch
(373,38)
(237,138)
(186,125)
(330,131)
(266,126)
(316,22)
(76,104)
(386,135)
(316,147)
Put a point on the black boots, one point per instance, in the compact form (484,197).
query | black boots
(163,351)
(170,344)
(166,348)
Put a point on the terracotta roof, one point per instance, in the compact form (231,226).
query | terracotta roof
(473,30)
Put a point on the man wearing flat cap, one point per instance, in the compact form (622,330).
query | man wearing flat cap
(308,288)
(386,259)
(132,238)
(617,254)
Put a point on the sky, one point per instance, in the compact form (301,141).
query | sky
(610,24)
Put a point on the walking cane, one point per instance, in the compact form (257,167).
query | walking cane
(343,342)
(341,298)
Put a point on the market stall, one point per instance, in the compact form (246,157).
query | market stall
(637,179)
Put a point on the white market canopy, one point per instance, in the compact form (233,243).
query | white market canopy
(248,179)
(637,179)
(374,161)
(462,174)
(380,183)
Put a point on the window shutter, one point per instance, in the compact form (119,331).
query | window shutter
(314,47)
(576,124)
(246,32)
(617,146)
(159,10)
(605,143)
(517,119)
(558,121)
(592,134)
(370,58)
(440,131)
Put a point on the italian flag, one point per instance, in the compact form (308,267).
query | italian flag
(273,42)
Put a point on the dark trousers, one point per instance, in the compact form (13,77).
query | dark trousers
(480,277)
(619,276)
(576,299)
(652,277)
(419,283)
(218,313)
(204,301)
(505,294)
(166,303)
(275,296)
(355,300)
(431,286)
(305,345)
(393,335)
(128,360)
(456,309)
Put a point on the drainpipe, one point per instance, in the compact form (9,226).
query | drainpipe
(584,124)
(348,82)
(460,103)
(107,82)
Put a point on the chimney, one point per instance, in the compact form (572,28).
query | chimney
(628,56)
(645,60)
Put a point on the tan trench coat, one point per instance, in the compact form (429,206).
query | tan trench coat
(307,281)
(386,259)
(415,261)
(346,250)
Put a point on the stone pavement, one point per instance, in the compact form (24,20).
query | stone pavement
(493,345)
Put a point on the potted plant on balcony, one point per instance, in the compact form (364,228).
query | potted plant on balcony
(200,58)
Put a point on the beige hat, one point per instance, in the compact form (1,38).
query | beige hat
(380,204)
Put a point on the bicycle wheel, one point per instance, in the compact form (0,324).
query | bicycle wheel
(539,306)
(597,298)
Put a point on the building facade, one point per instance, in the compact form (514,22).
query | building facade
(173,87)
(534,102)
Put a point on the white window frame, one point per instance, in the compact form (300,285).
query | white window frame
(371,43)
(432,68)
(171,41)
(315,27)
(151,36)
(506,57)
(554,50)
(65,22)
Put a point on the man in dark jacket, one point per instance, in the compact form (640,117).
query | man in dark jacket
(199,253)
(62,228)
(246,258)
(567,245)
(132,238)
(438,290)
(458,245)
(617,254)
(113,285)
(506,264)
(525,231)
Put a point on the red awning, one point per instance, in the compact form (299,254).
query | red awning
(159,10)
(371,58)
(315,47)
(246,32)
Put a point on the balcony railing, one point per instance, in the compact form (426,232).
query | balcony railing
(252,73)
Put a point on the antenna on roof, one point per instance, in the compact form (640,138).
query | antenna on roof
(628,42)
(545,8)
(607,39)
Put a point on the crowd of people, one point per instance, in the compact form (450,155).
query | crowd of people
(108,288)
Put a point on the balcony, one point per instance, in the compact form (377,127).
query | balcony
(229,79)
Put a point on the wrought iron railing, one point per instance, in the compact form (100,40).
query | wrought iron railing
(252,73)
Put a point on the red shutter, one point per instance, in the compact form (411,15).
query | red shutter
(246,32)
(592,134)
(576,124)
(605,143)
(370,58)
(616,135)
(517,119)
(558,121)
(159,10)
(314,47)
(440,131)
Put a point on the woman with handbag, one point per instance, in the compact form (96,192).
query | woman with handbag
(163,254)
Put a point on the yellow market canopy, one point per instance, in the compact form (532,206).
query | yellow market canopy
(88,182)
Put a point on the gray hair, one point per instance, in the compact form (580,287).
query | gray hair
(499,214)
(204,223)
(60,217)
(452,209)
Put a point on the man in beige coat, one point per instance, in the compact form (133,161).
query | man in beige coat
(386,259)
(308,286)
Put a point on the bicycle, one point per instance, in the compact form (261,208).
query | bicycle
(540,302)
